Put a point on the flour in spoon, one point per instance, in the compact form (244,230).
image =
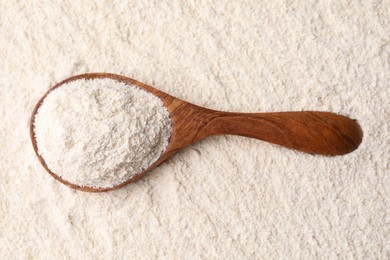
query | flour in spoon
(100,132)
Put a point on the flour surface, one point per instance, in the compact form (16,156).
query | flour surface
(225,197)
(100,132)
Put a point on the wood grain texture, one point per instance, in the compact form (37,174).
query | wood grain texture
(313,132)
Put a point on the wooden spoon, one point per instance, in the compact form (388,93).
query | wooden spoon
(312,132)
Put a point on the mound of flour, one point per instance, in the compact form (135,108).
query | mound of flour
(100,132)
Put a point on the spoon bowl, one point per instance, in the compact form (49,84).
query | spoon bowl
(313,132)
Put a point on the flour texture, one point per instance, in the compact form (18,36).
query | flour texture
(224,197)
(100,132)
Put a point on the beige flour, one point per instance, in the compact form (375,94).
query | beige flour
(226,197)
(101,132)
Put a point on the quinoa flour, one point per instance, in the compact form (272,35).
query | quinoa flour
(100,132)
(226,197)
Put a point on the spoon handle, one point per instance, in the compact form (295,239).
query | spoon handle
(313,132)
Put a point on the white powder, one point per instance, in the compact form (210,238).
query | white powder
(226,197)
(101,132)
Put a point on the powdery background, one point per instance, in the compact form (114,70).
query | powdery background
(225,197)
